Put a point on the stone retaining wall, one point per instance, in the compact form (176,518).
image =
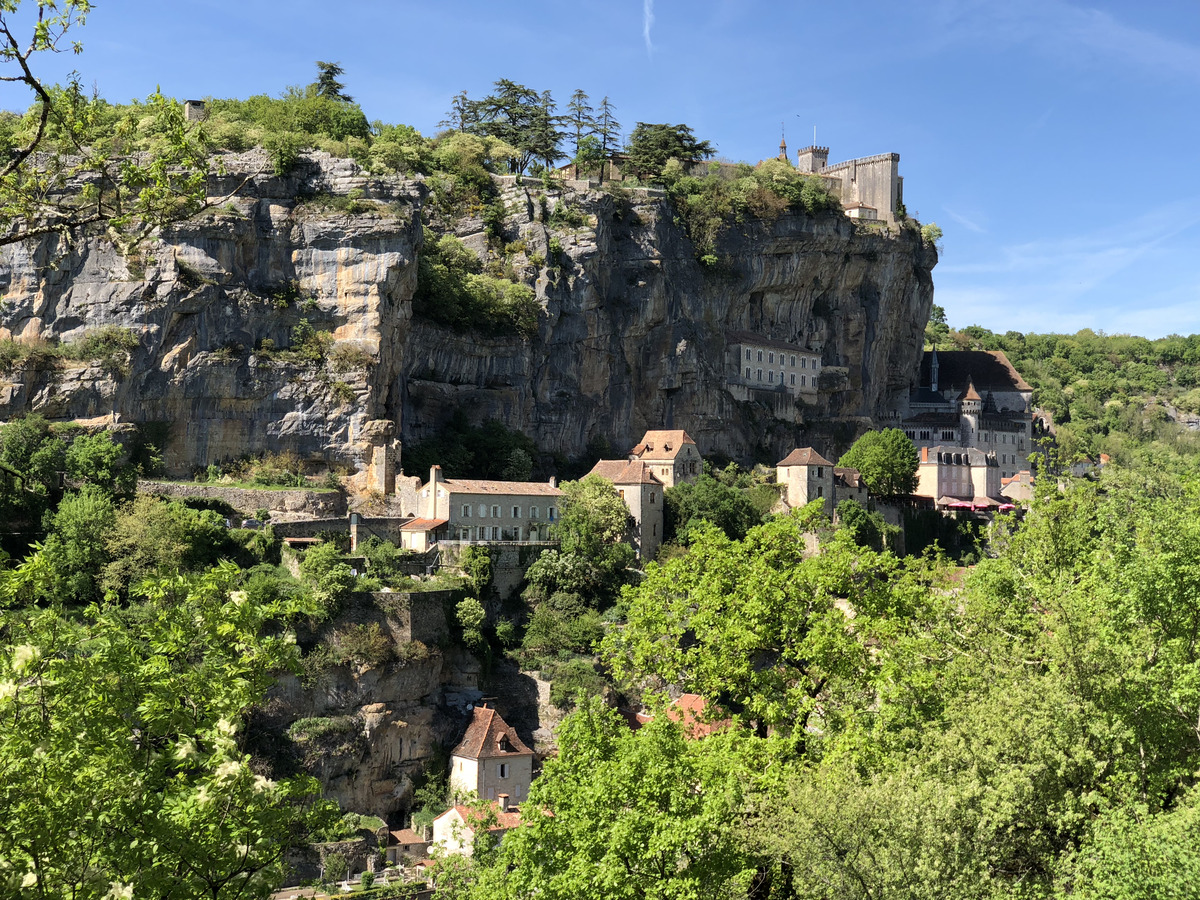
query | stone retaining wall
(247,500)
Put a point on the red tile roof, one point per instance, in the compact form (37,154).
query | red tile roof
(850,477)
(804,456)
(504,820)
(485,735)
(408,836)
(661,444)
(624,471)
(474,486)
(423,524)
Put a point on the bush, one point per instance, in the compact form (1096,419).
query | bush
(453,291)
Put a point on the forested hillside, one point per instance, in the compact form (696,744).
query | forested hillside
(1129,397)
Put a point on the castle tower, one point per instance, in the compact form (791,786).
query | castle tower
(970,407)
(783,148)
(812,159)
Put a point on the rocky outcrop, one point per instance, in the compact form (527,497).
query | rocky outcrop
(632,334)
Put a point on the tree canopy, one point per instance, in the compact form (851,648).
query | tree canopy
(651,146)
(887,461)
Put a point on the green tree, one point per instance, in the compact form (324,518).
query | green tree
(887,461)
(652,146)
(523,119)
(77,547)
(123,771)
(708,500)
(327,83)
(593,555)
(97,459)
(626,815)
(68,163)
(581,120)
(758,625)
(608,130)
(937,332)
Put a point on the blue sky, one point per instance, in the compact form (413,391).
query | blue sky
(1054,142)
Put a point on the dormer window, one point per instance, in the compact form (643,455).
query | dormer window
(505,744)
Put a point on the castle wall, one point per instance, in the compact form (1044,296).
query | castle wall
(873,180)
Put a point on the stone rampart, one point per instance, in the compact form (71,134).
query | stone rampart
(247,500)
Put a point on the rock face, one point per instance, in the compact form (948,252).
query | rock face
(633,331)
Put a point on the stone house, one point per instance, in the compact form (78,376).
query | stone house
(758,363)
(454,830)
(957,477)
(671,455)
(809,476)
(491,761)
(642,492)
(466,509)
(406,844)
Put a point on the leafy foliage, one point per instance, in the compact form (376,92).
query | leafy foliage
(121,754)
(453,291)
(887,461)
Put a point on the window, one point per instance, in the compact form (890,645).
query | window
(820,492)
(621,493)
(495,512)
(482,511)
(747,373)
(466,510)
(516,512)
(803,381)
(793,378)
(550,513)
(793,363)
(533,512)
(652,496)
(654,530)
(517,533)
(771,377)
(502,770)
(820,471)
(924,435)
(804,362)
(771,357)
(781,378)
(759,375)
(747,353)
(760,356)
(1021,444)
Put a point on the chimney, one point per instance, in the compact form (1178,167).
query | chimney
(435,478)
(924,454)
(553,481)
(503,798)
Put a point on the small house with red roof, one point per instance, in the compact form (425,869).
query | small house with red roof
(671,455)
(454,830)
(642,492)
(491,761)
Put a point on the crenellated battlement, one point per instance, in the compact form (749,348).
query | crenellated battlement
(868,181)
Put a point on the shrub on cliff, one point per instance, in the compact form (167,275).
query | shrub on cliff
(453,291)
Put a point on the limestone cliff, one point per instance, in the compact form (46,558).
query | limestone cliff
(632,334)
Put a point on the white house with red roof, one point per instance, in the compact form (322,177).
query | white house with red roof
(469,509)
(491,761)
(642,491)
(454,830)
(671,455)
(809,476)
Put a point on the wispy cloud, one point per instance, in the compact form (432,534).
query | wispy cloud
(1069,32)
(969,224)
(1046,285)
(647,23)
